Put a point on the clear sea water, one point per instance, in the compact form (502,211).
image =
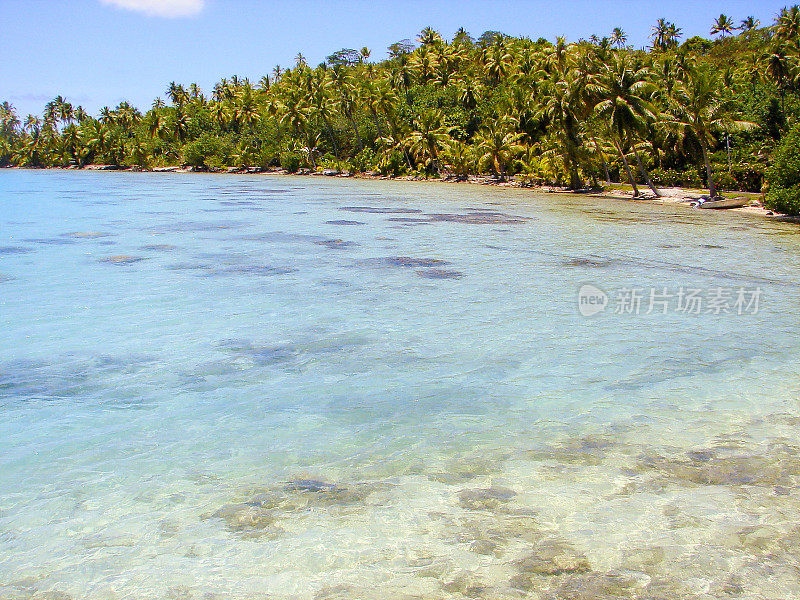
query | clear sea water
(287,387)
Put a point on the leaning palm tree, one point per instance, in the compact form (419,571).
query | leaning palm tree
(562,108)
(625,107)
(701,111)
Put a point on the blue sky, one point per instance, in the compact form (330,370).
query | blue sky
(99,52)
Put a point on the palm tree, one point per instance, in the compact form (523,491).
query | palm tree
(342,82)
(665,35)
(176,93)
(702,111)
(787,25)
(618,37)
(749,23)
(429,37)
(459,158)
(496,148)
(498,61)
(426,139)
(561,109)
(780,64)
(625,106)
(724,25)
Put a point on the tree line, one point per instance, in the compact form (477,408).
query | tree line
(699,112)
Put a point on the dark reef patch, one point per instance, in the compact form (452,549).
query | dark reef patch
(122,259)
(158,248)
(13,250)
(336,244)
(259,270)
(590,262)
(186,226)
(477,218)
(407,261)
(87,235)
(439,274)
(382,210)
(281,237)
(51,241)
(344,222)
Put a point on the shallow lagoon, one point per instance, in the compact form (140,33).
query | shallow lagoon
(252,387)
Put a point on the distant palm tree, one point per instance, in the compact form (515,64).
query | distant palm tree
(429,37)
(665,35)
(749,24)
(723,25)
(787,25)
(618,37)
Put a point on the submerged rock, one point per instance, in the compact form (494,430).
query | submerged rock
(309,485)
(247,518)
(344,222)
(485,499)
(708,468)
(553,557)
(465,583)
(601,586)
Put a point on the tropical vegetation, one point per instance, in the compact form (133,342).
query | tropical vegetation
(697,112)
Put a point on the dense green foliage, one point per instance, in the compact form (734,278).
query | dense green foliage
(784,175)
(702,112)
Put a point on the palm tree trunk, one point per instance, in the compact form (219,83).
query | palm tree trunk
(377,125)
(628,171)
(644,173)
(712,189)
(602,161)
(332,137)
(349,114)
(396,135)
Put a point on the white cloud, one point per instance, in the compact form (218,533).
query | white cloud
(160,8)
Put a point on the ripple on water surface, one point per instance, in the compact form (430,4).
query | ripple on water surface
(268,408)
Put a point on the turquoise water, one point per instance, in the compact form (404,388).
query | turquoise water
(286,387)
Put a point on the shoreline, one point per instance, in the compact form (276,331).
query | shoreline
(670,195)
